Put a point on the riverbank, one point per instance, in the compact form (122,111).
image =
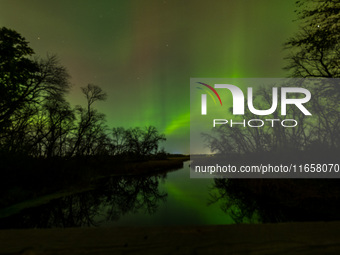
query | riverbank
(282,238)
(152,166)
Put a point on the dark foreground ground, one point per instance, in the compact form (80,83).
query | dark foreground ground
(282,238)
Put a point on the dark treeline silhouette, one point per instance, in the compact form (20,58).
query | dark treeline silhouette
(46,145)
(314,52)
(37,121)
(312,133)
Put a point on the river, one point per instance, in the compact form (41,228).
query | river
(171,198)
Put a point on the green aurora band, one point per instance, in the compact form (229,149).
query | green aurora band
(143,53)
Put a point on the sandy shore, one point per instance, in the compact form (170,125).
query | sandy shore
(285,238)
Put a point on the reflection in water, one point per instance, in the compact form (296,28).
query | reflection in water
(278,200)
(111,199)
(169,199)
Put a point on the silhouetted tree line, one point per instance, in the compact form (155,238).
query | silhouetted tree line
(321,131)
(37,121)
(314,52)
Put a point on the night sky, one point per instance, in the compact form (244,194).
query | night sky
(143,52)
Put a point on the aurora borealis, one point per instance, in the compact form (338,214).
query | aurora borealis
(143,53)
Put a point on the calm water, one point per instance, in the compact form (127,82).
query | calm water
(168,199)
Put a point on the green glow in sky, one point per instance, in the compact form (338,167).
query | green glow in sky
(178,124)
(143,53)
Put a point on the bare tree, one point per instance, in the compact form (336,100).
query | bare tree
(91,123)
